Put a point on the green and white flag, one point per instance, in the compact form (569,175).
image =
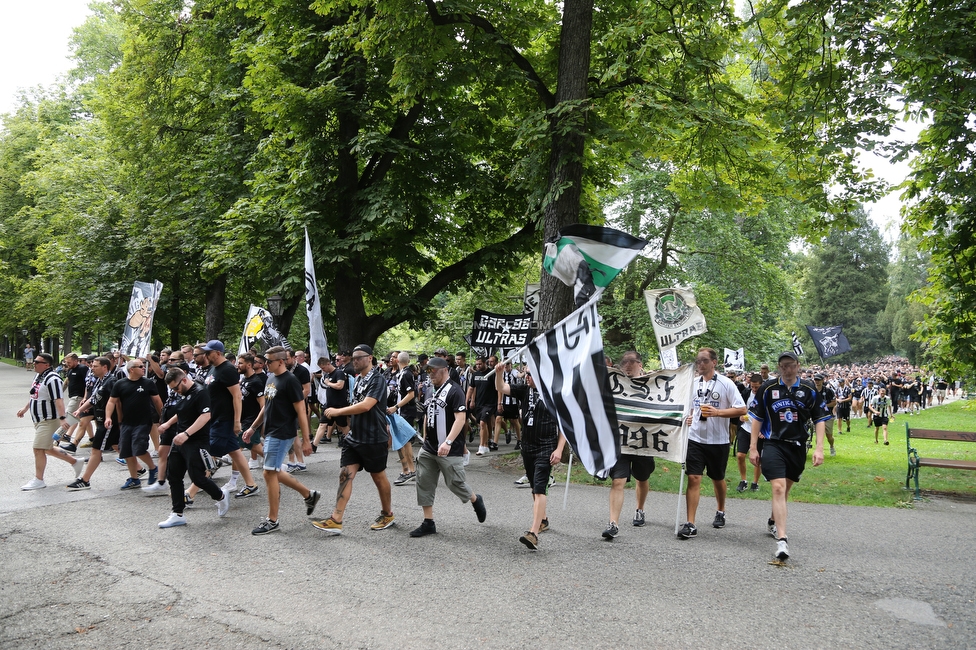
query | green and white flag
(587,258)
(318,345)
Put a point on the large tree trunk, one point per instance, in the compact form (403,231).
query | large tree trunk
(69,331)
(568,139)
(214,315)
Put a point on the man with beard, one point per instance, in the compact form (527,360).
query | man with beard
(367,443)
(443,448)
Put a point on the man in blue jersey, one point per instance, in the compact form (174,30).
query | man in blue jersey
(781,410)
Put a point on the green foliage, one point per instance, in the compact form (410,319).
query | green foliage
(846,283)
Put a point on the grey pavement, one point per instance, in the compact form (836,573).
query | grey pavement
(92,569)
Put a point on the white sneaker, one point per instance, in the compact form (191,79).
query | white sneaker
(482,451)
(257,463)
(157,489)
(35,484)
(79,467)
(223,505)
(782,549)
(229,487)
(154,454)
(173,520)
(227,460)
(523,482)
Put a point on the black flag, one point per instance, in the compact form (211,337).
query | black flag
(830,341)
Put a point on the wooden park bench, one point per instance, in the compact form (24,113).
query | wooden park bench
(915,463)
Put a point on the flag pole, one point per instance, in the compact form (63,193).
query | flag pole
(684,437)
(568,472)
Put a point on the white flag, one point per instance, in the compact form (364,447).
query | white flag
(651,411)
(735,359)
(570,370)
(675,315)
(318,346)
(260,332)
(139,320)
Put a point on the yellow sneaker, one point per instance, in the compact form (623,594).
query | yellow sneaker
(330,526)
(383,521)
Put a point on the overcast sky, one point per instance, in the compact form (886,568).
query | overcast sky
(34,44)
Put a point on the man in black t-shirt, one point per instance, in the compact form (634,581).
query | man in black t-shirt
(830,401)
(296,457)
(103,440)
(404,405)
(138,399)
(252,403)
(367,443)
(223,384)
(443,448)
(75,375)
(332,393)
(284,413)
(780,413)
(542,448)
(193,421)
(482,399)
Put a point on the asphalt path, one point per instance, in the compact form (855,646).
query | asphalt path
(92,569)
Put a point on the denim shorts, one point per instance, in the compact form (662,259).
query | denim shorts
(276,451)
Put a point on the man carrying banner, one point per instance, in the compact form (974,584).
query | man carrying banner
(627,465)
(717,400)
(542,448)
(780,413)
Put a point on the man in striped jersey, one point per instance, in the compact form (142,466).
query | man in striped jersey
(46,406)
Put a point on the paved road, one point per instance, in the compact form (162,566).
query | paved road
(91,569)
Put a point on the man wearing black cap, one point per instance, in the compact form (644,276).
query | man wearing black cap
(443,450)
(367,443)
(781,410)
(223,383)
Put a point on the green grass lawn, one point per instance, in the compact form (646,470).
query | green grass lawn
(862,473)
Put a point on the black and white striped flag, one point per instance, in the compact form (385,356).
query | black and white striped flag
(797,348)
(569,368)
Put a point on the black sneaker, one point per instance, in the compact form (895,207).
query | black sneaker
(754,487)
(508,437)
(742,486)
(479,508)
(518,445)
(79,484)
(639,518)
(427,527)
(611,531)
(267,526)
(69,447)
(311,500)
(688,531)
(719,521)
(492,446)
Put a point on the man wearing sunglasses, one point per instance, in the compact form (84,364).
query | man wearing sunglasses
(138,398)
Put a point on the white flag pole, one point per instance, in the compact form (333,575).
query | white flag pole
(684,453)
(569,470)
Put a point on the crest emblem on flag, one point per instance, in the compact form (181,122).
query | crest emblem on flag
(670,310)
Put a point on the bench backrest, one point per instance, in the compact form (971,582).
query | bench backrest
(936,434)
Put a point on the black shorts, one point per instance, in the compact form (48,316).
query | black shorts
(844,411)
(166,437)
(104,440)
(628,465)
(538,469)
(712,459)
(880,420)
(341,421)
(133,440)
(485,414)
(223,440)
(783,460)
(510,412)
(742,441)
(370,458)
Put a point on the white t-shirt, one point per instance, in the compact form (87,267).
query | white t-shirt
(719,392)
